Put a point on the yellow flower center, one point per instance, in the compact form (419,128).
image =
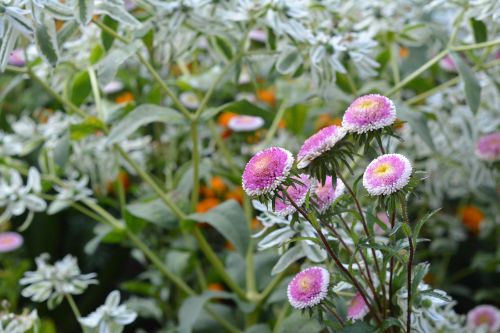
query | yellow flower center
(383,169)
(305,284)
(483,319)
(367,104)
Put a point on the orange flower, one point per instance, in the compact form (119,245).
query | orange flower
(282,123)
(229,246)
(256,224)
(225,118)
(207,192)
(215,286)
(404,52)
(325,120)
(235,194)
(125,98)
(472,217)
(123,178)
(206,204)
(217,184)
(267,96)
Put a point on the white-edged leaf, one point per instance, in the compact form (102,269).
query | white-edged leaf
(288,258)
(117,11)
(288,61)
(142,115)
(46,40)
(228,219)
(8,41)
(108,66)
(85,10)
(471,85)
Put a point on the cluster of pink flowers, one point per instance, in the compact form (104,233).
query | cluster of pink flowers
(269,173)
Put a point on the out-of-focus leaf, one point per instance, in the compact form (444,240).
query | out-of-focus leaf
(108,39)
(153,211)
(80,88)
(142,115)
(85,10)
(228,219)
(471,85)
(108,66)
(288,258)
(299,323)
(288,61)
(8,41)
(117,11)
(90,125)
(243,107)
(418,123)
(46,40)
(223,46)
(480,30)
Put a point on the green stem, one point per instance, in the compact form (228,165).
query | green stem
(274,126)
(223,149)
(67,104)
(417,72)
(195,194)
(149,67)
(147,178)
(395,67)
(222,75)
(281,317)
(404,209)
(217,264)
(475,46)
(73,306)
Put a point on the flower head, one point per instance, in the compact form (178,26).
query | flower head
(448,64)
(16,58)
(245,123)
(358,308)
(9,241)
(368,113)
(297,192)
(387,174)
(472,217)
(488,147)
(111,316)
(319,143)
(266,170)
(309,287)
(190,100)
(327,193)
(113,87)
(484,315)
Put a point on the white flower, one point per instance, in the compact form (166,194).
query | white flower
(51,282)
(12,323)
(110,317)
(71,191)
(16,198)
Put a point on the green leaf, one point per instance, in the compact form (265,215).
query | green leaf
(480,30)
(117,11)
(288,258)
(228,219)
(89,126)
(288,61)
(471,85)
(108,66)
(259,328)
(8,41)
(85,10)
(192,307)
(80,88)
(421,222)
(418,123)
(299,322)
(153,211)
(108,39)
(46,40)
(142,115)
(223,46)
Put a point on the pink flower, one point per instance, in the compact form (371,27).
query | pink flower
(488,147)
(387,174)
(309,287)
(368,113)
(358,308)
(319,143)
(266,170)
(113,87)
(9,241)
(245,123)
(326,194)
(448,64)
(484,316)
(16,58)
(298,193)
